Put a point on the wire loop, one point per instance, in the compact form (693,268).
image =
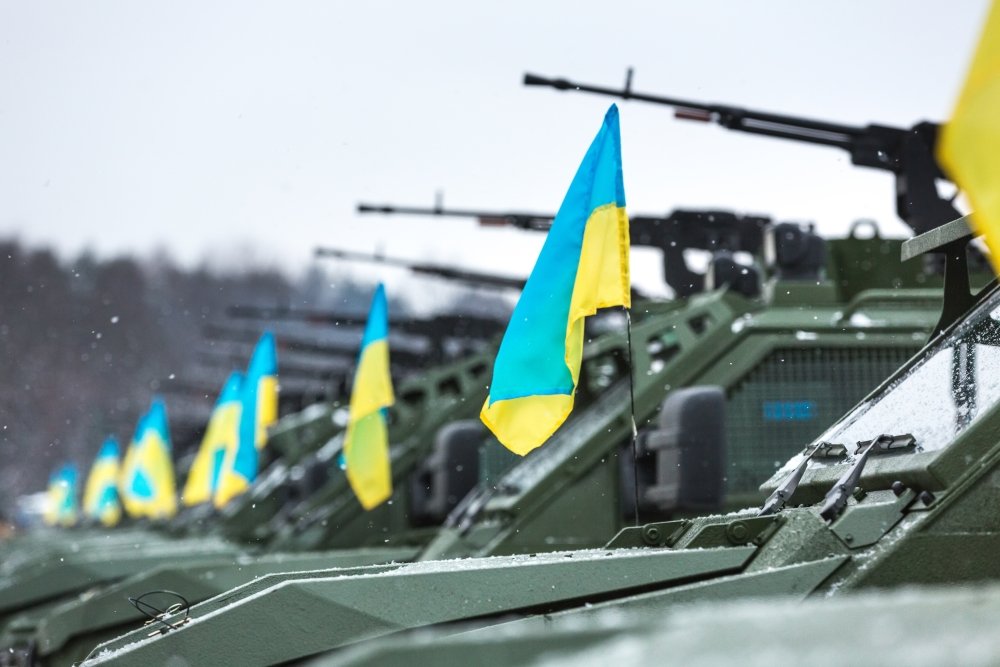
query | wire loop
(155,615)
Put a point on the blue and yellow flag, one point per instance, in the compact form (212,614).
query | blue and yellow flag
(147,483)
(60,505)
(366,442)
(583,266)
(970,143)
(259,409)
(220,436)
(100,496)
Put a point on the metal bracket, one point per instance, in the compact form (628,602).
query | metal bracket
(864,524)
(951,240)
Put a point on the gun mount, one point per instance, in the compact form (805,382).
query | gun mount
(680,230)
(906,152)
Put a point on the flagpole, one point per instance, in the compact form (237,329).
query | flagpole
(635,431)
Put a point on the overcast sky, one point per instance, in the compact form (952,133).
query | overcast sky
(252,129)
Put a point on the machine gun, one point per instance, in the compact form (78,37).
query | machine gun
(906,152)
(408,356)
(537,221)
(473,278)
(473,327)
(448,335)
(673,233)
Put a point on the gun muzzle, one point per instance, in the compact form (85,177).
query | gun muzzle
(558,84)
(329,252)
(368,208)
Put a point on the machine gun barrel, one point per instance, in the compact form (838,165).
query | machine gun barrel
(733,118)
(286,314)
(509,218)
(906,152)
(306,346)
(474,278)
(673,233)
(463,325)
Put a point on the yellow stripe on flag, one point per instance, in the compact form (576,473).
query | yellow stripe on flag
(969,149)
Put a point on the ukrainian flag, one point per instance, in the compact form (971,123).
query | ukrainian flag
(100,496)
(259,409)
(60,506)
(147,485)
(220,435)
(583,266)
(366,442)
(970,143)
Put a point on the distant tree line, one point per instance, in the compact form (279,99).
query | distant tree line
(86,342)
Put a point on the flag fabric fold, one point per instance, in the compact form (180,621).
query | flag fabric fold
(129,469)
(258,410)
(366,441)
(100,496)
(583,266)
(220,435)
(969,149)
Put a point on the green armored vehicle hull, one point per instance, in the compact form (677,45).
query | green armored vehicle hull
(919,626)
(75,565)
(63,632)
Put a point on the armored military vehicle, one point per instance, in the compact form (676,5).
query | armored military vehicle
(898,491)
(724,335)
